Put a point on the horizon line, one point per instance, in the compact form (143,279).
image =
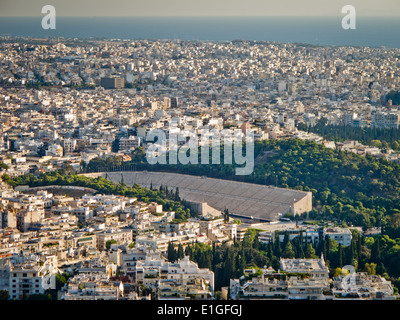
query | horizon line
(201,16)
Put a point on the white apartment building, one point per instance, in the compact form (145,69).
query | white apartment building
(196,289)
(307,288)
(385,119)
(55,150)
(119,236)
(153,269)
(284,286)
(316,268)
(28,278)
(268,286)
(69,145)
(361,285)
(160,242)
(127,144)
(92,287)
(340,235)
(82,213)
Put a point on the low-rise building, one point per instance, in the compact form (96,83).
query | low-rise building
(316,268)
(362,286)
(342,236)
(117,236)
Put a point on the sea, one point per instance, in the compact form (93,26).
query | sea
(369,32)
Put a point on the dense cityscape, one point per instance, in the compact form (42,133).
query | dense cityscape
(84,216)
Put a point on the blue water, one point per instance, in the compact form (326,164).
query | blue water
(373,32)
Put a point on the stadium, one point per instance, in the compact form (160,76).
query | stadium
(243,200)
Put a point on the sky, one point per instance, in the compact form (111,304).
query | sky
(381,8)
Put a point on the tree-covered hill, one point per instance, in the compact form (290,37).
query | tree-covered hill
(346,187)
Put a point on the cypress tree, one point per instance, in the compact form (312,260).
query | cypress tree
(277,247)
(270,250)
(300,251)
(240,262)
(327,248)
(229,266)
(177,197)
(288,252)
(226,215)
(285,239)
(256,243)
(376,251)
(359,246)
(188,251)
(171,252)
(180,253)
(340,256)
(310,252)
(207,260)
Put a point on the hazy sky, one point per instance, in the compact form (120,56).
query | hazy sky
(200,7)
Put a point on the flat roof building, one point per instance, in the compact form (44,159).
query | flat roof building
(315,267)
(112,83)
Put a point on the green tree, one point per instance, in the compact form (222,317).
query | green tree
(256,243)
(226,215)
(180,253)
(310,252)
(370,268)
(376,251)
(171,252)
(3,166)
(277,247)
(338,272)
(339,259)
(229,266)
(288,251)
(109,243)
(240,262)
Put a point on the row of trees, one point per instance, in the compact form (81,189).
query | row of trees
(383,138)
